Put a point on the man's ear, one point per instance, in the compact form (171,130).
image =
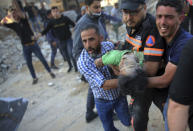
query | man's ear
(181,18)
(101,38)
(87,8)
(145,7)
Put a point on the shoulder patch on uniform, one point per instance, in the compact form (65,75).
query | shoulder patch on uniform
(150,41)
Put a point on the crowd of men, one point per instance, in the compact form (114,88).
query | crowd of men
(165,42)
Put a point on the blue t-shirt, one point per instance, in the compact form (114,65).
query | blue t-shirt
(174,48)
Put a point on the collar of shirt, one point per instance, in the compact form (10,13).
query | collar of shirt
(170,44)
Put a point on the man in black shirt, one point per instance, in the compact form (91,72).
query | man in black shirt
(143,38)
(181,92)
(60,26)
(21,26)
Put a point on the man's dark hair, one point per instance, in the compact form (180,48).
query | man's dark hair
(177,4)
(48,12)
(116,4)
(11,8)
(89,2)
(54,7)
(90,26)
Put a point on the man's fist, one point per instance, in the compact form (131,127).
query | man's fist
(54,44)
(133,85)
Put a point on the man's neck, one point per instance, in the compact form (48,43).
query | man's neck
(138,24)
(57,17)
(169,39)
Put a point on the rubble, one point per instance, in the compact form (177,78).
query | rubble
(11,53)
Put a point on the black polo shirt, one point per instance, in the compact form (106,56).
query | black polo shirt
(181,90)
(146,38)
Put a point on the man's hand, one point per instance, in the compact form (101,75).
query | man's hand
(54,44)
(98,62)
(38,35)
(115,70)
(136,84)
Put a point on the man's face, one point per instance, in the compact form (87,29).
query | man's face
(49,16)
(91,41)
(94,8)
(55,13)
(133,18)
(83,12)
(168,21)
(117,6)
(14,14)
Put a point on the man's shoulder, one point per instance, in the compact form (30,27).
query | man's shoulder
(83,19)
(183,38)
(185,35)
(83,56)
(84,60)
(107,45)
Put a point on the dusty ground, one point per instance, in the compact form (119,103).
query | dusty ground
(60,107)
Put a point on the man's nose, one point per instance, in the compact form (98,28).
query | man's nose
(162,20)
(98,9)
(87,44)
(129,16)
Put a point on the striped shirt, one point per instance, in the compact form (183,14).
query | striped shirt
(97,76)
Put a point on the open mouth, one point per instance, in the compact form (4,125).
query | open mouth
(90,51)
(164,28)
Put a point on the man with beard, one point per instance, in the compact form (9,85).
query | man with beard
(93,15)
(21,26)
(104,87)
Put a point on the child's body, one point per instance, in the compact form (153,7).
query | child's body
(125,60)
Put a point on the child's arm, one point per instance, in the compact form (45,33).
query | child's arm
(98,62)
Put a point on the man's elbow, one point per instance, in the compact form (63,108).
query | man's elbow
(165,84)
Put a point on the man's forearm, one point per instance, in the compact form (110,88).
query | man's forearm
(164,80)
(110,84)
(177,116)
(157,82)
(18,9)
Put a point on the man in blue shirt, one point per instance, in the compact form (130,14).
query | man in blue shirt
(104,87)
(169,16)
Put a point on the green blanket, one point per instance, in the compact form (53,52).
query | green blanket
(113,57)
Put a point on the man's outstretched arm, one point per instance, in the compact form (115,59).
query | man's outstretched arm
(18,9)
(110,84)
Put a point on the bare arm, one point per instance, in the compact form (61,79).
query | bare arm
(19,11)
(151,68)
(110,84)
(98,62)
(164,80)
(177,116)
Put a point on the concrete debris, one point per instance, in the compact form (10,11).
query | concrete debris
(12,53)
(50,84)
